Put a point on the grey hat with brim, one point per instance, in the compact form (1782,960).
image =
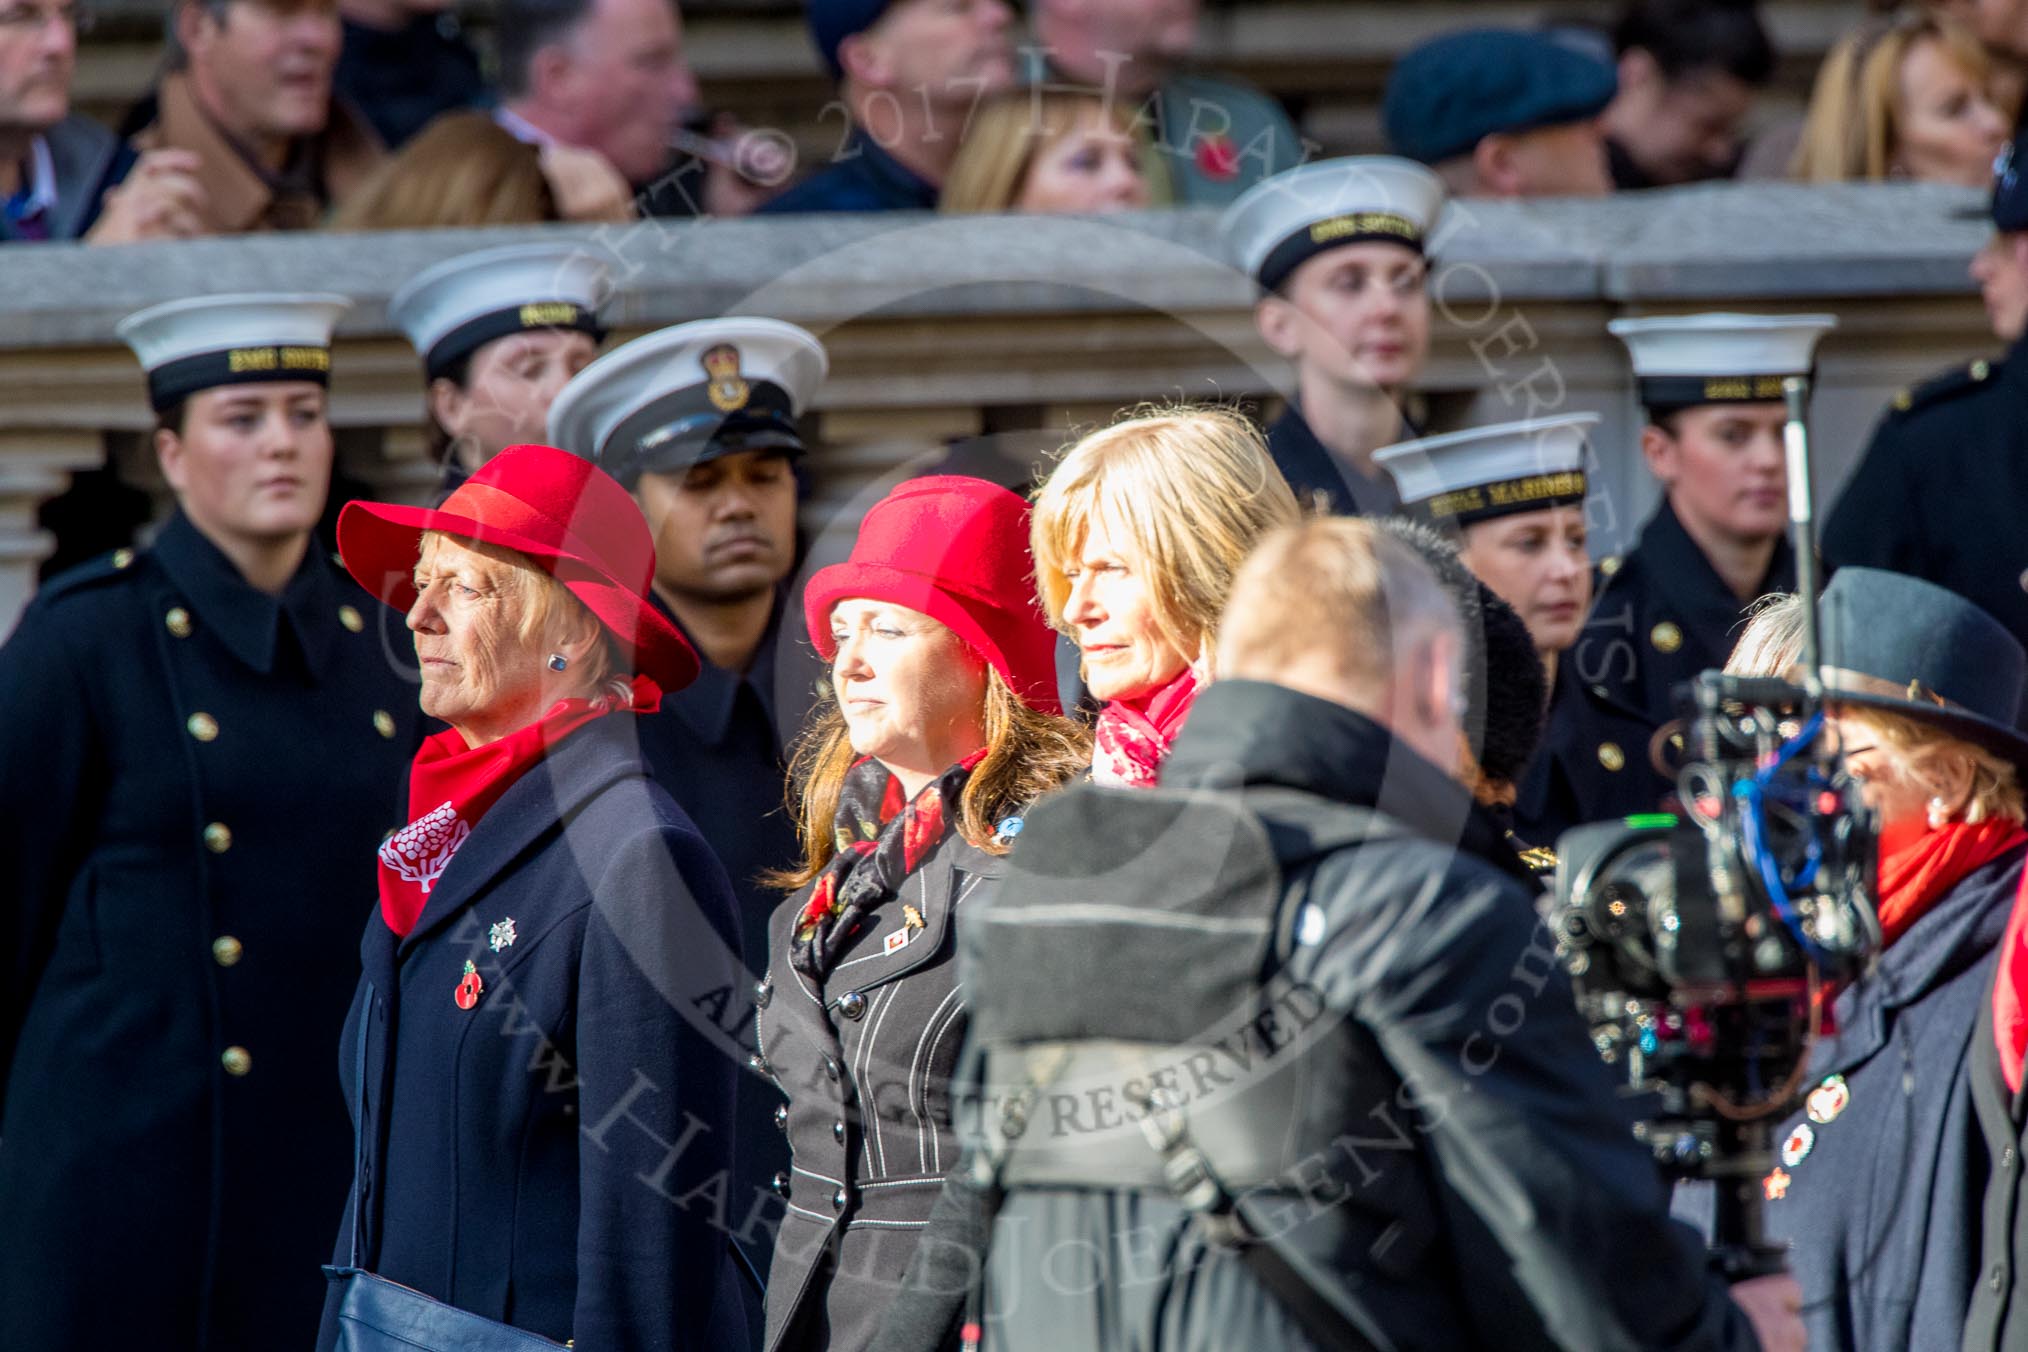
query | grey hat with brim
(1909,647)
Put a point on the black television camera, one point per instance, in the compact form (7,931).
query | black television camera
(1703,947)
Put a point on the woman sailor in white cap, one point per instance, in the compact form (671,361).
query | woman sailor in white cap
(205,746)
(1337,248)
(1675,605)
(500,333)
(1514,494)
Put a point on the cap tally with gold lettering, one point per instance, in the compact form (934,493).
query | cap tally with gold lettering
(191,345)
(453,309)
(1484,472)
(694,392)
(1283,222)
(1681,360)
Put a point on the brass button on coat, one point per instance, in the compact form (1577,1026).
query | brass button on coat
(202,726)
(218,837)
(227,950)
(1611,757)
(383,723)
(236,1060)
(351,618)
(177,621)
(1666,637)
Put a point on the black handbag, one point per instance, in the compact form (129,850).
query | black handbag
(377,1315)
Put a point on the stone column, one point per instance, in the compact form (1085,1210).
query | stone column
(35,466)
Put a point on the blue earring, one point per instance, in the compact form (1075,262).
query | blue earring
(557,661)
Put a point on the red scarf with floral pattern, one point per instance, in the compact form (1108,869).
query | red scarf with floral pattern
(1133,737)
(452,785)
(881,840)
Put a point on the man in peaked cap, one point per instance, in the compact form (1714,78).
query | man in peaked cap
(500,332)
(699,422)
(1943,486)
(1711,385)
(1499,113)
(206,746)
(1337,248)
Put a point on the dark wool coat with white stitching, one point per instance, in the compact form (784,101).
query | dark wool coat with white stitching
(866,1060)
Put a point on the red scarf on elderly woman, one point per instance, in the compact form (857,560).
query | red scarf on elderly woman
(452,785)
(1133,736)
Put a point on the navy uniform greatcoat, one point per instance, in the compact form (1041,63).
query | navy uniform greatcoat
(1311,469)
(717,746)
(194,777)
(1943,488)
(1592,765)
(1882,1178)
(866,1059)
(1663,615)
(557,1157)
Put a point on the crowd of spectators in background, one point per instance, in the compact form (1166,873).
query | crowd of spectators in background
(381,114)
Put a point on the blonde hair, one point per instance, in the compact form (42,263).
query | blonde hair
(1009,133)
(1338,588)
(547,607)
(1028,754)
(1772,641)
(463,169)
(1852,128)
(1913,747)
(1186,492)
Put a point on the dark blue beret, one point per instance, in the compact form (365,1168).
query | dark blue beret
(833,21)
(2010,191)
(1448,93)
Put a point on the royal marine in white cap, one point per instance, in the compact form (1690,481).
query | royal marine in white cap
(453,309)
(191,345)
(1338,249)
(1712,387)
(691,393)
(1463,478)
(1514,494)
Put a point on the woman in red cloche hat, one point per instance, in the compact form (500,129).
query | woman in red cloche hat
(533,1087)
(943,727)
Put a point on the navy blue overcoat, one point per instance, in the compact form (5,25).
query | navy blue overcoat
(557,1157)
(1883,1174)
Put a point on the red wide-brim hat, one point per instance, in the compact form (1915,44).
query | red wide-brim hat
(569,517)
(955,549)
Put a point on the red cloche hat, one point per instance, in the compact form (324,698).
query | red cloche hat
(568,516)
(955,549)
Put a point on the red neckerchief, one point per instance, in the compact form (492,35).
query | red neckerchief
(451,786)
(1917,870)
(881,840)
(2010,993)
(1133,737)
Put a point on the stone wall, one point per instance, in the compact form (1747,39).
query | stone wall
(1024,329)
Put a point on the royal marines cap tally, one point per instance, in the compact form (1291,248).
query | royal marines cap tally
(691,393)
(1475,475)
(453,309)
(1680,360)
(1283,222)
(192,345)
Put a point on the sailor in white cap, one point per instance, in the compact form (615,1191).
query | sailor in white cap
(500,333)
(205,745)
(700,421)
(1514,494)
(1674,605)
(1337,249)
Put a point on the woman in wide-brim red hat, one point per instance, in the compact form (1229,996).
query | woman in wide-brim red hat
(523,1050)
(942,728)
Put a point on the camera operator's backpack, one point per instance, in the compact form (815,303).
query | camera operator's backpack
(1131,967)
